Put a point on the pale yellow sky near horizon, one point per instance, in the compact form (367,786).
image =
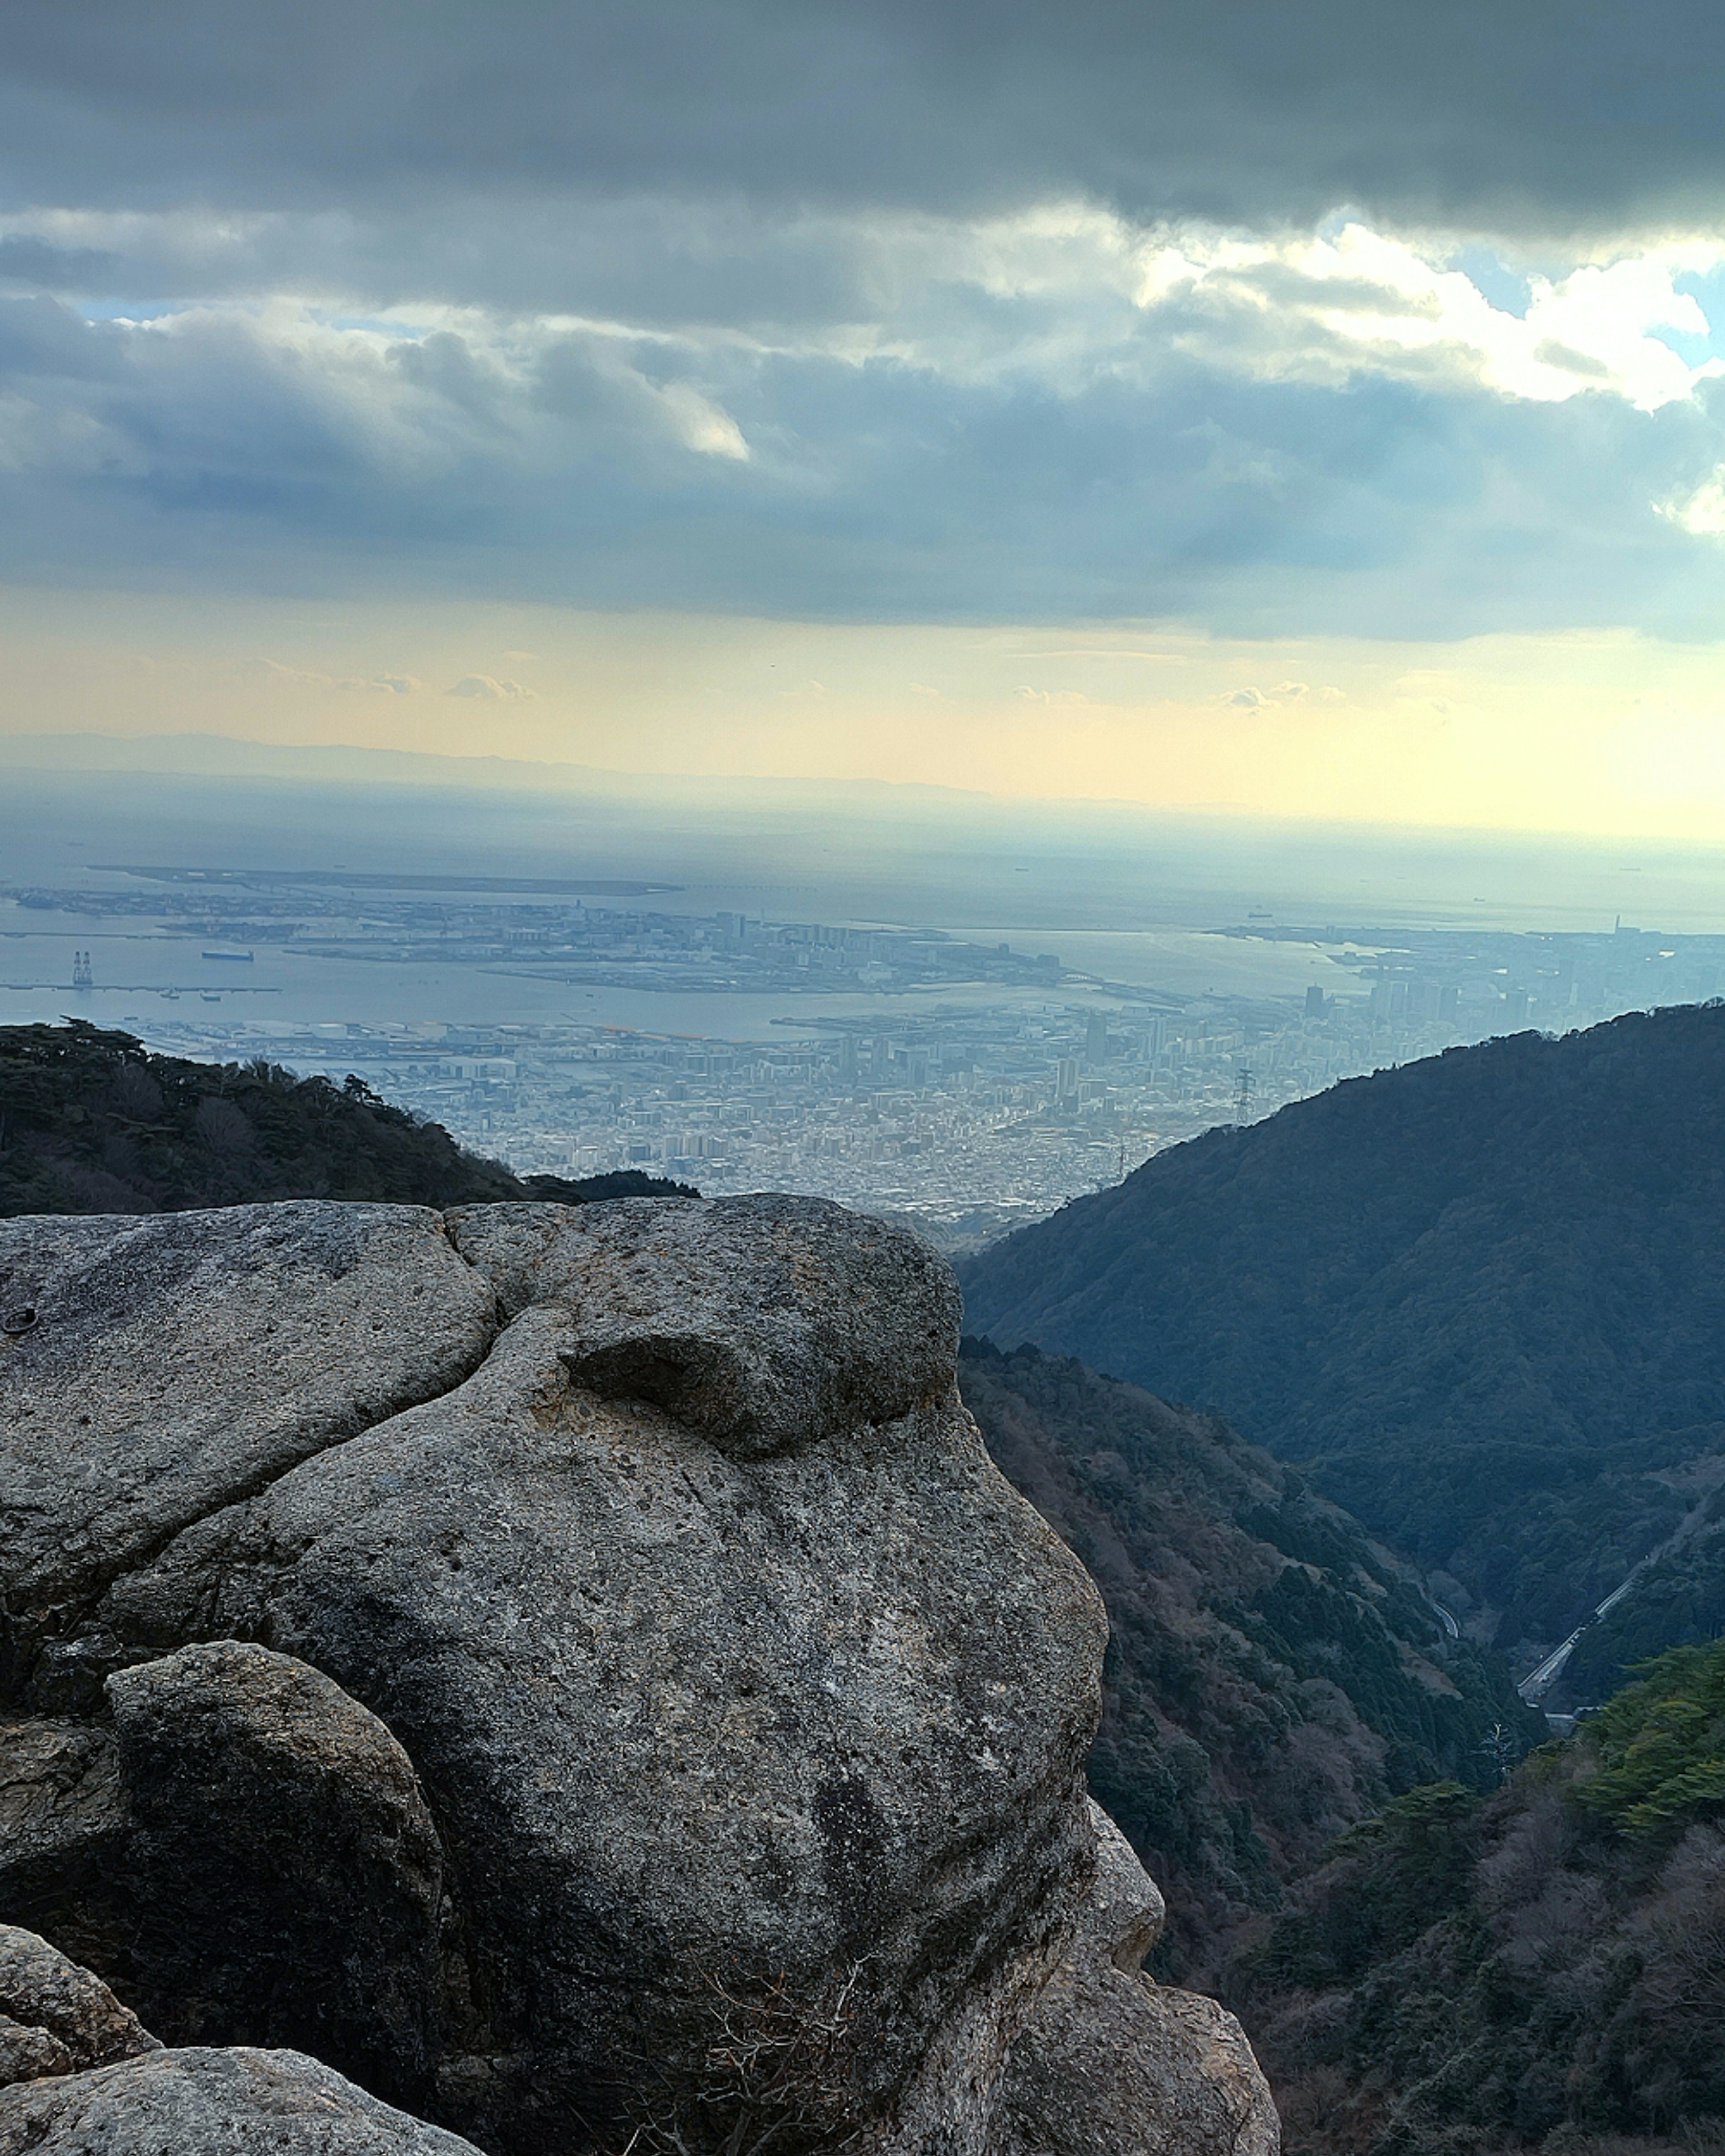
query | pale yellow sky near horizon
(1602,732)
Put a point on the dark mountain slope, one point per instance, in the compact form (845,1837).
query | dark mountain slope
(1271,1675)
(92,1123)
(1542,1969)
(1482,1296)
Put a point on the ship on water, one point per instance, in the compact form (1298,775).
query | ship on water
(231,957)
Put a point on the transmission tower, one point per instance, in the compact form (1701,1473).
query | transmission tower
(1243,1098)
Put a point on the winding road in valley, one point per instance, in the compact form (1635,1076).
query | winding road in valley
(1534,1686)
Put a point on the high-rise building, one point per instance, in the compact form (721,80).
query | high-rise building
(1095,1038)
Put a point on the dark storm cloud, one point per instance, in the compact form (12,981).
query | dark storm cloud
(1539,115)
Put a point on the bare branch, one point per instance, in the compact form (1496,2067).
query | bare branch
(776,2078)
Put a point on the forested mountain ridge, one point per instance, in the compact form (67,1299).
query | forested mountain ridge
(91,1121)
(1272,1677)
(1480,1298)
(1544,1968)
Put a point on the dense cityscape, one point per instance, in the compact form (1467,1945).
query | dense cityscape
(968,1086)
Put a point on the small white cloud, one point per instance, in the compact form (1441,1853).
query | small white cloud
(1098,651)
(486,685)
(1284,695)
(273,671)
(1062,696)
(382,685)
(922,689)
(1700,514)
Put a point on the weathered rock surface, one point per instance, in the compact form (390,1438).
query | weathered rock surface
(57,2017)
(63,1828)
(766,1327)
(1111,2064)
(178,1362)
(289,1877)
(538,1725)
(197,2103)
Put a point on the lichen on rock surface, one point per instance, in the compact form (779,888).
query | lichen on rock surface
(516,1654)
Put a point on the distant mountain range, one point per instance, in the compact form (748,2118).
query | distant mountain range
(1480,1299)
(225,756)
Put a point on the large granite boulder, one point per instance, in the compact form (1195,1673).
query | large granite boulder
(577,1670)
(154,1369)
(288,1877)
(794,1321)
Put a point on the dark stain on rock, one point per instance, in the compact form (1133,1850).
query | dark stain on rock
(852,1850)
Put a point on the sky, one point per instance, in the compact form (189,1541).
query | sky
(1314,411)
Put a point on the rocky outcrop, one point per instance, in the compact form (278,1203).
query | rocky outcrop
(576,1671)
(55,2017)
(236,2102)
(174,1364)
(268,1811)
(80,2076)
(1109,2063)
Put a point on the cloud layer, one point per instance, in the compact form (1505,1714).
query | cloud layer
(1549,117)
(1339,318)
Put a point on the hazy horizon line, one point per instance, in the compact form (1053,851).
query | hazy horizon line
(236,757)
